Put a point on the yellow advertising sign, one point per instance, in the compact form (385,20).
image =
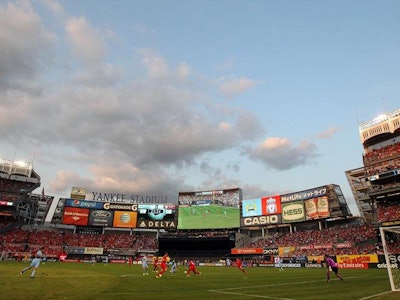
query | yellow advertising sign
(357,259)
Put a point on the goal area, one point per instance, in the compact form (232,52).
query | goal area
(390,237)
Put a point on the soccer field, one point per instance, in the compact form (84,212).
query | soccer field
(56,280)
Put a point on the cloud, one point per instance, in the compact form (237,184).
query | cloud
(156,65)
(54,6)
(26,49)
(280,153)
(227,65)
(107,129)
(327,133)
(235,86)
(87,42)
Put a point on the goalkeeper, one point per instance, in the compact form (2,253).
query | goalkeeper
(332,267)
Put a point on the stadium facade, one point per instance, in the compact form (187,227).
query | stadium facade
(376,184)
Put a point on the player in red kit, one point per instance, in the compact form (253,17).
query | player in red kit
(192,268)
(239,264)
(155,263)
(163,265)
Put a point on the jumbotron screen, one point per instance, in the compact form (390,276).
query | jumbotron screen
(209,209)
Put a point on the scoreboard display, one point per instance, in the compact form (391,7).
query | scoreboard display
(209,209)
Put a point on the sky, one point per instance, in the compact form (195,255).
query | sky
(161,97)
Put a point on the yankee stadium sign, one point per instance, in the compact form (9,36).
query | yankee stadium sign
(126,198)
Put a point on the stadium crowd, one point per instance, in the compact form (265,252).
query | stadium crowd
(388,211)
(354,239)
(17,241)
(386,152)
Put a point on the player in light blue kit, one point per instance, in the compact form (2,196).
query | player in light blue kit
(34,264)
(145,265)
(280,263)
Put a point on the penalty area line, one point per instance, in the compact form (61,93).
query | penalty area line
(373,296)
(249,295)
(229,291)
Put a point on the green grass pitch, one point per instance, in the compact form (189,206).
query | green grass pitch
(56,280)
(208,217)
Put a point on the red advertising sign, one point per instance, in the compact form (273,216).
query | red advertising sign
(271,205)
(76,216)
(247,251)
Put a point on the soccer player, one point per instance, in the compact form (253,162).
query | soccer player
(145,265)
(228,262)
(239,264)
(155,263)
(280,263)
(35,263)
(163,265)
(173,266)
(192,268)
(130,261)
(332,267)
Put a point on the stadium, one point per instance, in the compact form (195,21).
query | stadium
(213,227)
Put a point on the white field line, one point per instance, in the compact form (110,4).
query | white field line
(229,290)
(376,295)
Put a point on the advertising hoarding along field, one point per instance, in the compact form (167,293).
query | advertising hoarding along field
(209,209)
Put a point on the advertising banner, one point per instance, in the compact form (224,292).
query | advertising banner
(156,224)
(156,212)
(251,207)
(286,251)
(260,220)
(271,205)
(304,195)
(247,251)
(76,216)
(125,219)
(357,258)
(83,204)
(101,218)
(93,250)
(293,212)
(317,208)
(157,216)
